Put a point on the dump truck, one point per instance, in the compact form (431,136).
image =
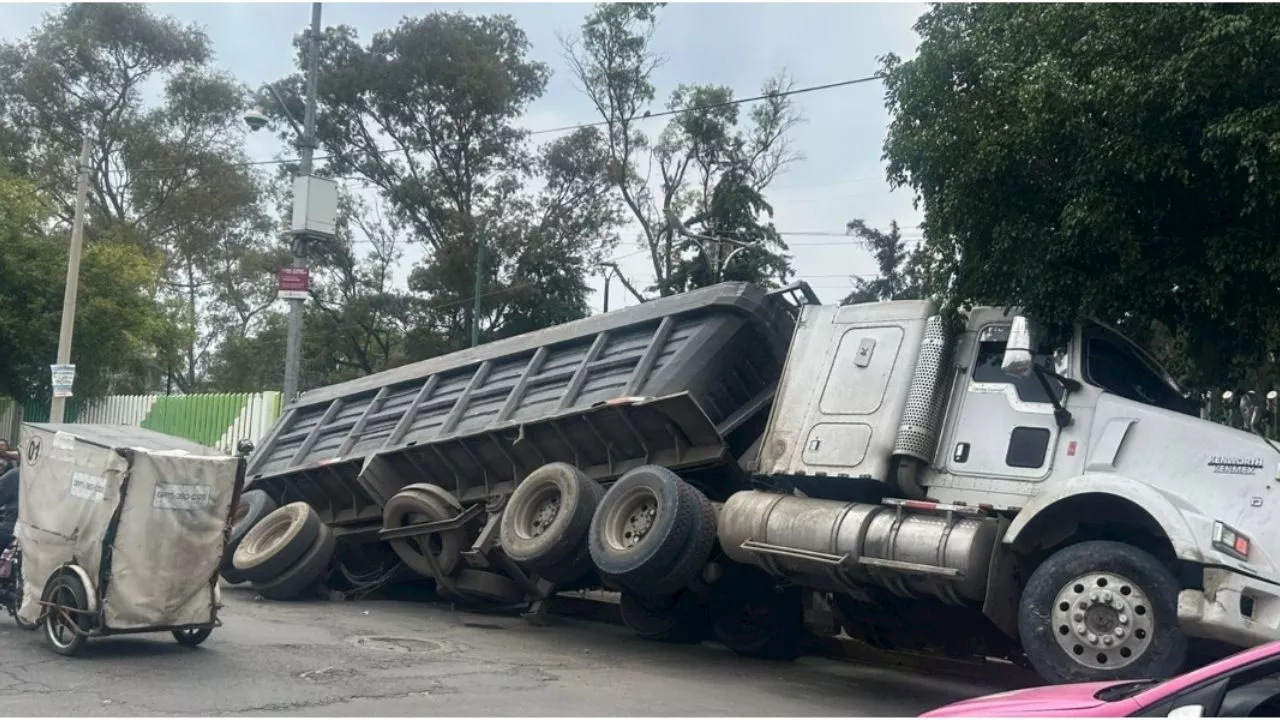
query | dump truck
(752,465)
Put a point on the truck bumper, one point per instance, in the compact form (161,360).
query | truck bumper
(1233,608)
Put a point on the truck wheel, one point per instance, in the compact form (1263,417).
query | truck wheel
(1101,610)
(276,543)
(678,618)
(408,507)
(548,516)
(697,550)
(254,505)
(642,524)
(309,569)
(752,616)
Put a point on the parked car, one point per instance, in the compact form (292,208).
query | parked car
(1246,684)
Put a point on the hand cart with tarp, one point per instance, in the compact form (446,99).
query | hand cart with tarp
(122,530)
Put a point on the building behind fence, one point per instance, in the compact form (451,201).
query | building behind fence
(217,420)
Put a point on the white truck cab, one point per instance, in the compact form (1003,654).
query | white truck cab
(921,477)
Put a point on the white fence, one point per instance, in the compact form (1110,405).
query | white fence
(217,420)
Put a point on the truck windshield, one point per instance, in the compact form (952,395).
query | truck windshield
(1115,364)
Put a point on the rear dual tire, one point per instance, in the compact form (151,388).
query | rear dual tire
(653,533)
(287,552)
(754,616)
(253,506)
(277,542)
(545,525)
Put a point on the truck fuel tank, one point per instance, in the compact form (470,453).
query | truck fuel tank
(911,553)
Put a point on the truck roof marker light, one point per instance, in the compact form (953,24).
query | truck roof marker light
(1230,541)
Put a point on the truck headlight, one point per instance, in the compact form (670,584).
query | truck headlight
(1230,541)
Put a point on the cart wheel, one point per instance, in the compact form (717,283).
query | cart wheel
(191,637)
(65,623)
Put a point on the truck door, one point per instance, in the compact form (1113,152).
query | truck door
(1003,426)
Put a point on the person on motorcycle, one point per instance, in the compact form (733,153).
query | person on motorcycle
(8,505)
(8,457)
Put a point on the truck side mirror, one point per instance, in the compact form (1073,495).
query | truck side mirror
(1017,352)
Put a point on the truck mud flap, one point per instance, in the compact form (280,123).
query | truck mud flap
(604,441)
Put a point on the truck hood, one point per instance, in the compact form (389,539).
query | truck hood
(1047,701)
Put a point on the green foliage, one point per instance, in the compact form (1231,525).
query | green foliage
(705,218)
(1112,160)
(166,178)
(115,319)
(446,91)
(900,269)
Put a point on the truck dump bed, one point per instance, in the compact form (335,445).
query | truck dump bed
(683,381)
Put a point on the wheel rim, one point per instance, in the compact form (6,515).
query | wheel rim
(60,626)
(632,519)
(431,544)
(1103,620)
(271,533)
(537,515)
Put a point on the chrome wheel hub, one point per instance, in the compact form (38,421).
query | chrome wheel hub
(1103,620)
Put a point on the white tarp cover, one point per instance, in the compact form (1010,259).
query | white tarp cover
(151,507)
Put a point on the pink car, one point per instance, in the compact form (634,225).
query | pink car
(1246,684)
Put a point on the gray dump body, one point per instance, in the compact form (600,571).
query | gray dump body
(475,422)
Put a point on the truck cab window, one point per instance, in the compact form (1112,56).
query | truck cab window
(986,368)
(1115,365)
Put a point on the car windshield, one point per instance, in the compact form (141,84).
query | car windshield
(1124,691)
(1113,363)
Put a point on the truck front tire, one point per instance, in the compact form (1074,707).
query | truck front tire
(1101,610)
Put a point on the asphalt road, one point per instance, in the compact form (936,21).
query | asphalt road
(380,658)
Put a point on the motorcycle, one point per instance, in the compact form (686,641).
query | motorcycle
(11,584)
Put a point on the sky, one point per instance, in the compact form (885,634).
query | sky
(738,45)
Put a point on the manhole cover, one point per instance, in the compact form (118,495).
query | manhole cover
(397,644)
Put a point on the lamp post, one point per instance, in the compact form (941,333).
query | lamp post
(314,207)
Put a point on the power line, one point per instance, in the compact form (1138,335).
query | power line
(568,128)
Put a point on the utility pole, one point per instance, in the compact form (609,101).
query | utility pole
(293,341)
(608,275)
(475,311)
(57,408)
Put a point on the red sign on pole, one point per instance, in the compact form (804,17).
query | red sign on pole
(293,283)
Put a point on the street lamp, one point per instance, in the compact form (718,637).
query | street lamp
(315,207)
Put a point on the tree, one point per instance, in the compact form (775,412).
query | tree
(900,271)
(426,114)
(115,318)
(169,178)
(1118,161)
(712,175)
